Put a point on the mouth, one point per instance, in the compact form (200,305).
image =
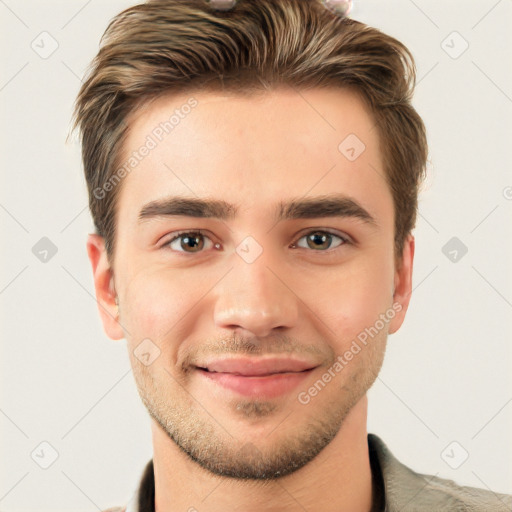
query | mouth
(248,374)
(256,367)
(264,378)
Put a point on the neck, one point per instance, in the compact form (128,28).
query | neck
(339,478)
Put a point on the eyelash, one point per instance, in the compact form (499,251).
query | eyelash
(345,240)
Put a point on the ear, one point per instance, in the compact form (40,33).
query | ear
(402,285)
(104,285)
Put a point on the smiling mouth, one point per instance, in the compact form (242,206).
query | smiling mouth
(256,366)
(254,374)
(263,386)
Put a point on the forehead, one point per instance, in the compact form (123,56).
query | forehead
(253,150)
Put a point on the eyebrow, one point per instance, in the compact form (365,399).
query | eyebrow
(321,206)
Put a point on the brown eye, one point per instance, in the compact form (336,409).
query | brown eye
(190,242)
(194,242)
(321,241)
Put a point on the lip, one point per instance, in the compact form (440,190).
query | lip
(264,378)
(252,367)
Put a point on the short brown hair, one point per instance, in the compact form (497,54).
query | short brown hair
(181,45)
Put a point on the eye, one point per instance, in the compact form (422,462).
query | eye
(185,240)
(192,242)
(321,241)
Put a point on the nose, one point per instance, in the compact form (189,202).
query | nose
(255,298)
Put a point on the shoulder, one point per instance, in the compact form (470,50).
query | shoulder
(409,491)
(452,496)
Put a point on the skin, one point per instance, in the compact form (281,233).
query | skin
(301,301)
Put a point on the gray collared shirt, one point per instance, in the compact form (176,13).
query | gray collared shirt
(397,488)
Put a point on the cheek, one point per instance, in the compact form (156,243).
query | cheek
(353,298)
(157,301)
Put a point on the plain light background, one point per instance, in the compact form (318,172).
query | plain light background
(445,389)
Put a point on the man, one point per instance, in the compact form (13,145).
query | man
(253,172)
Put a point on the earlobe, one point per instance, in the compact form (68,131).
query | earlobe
(106,296)
(402,285)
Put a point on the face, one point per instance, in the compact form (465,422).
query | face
(261,316)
